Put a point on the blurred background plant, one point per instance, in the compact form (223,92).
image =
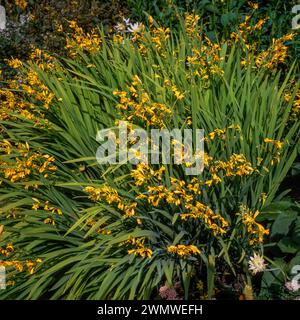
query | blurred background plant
(39,23)
(44,24)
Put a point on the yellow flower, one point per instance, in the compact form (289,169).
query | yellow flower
(141,251)
(136,105)
(207,216)
(183,250)
(217,133)
(191,23)
(79,40)
(22,4)
(275,54)
(111,196)
(14,263)
(259,24)
(7,250)
(179,95)
(6,146)
(15,63)
(277,144)
(253,5)
(72,24)
(167,82)
(49,221)
(150,19)
(189,121)
(130,210)
(59,28)
(143,173)
(255,230)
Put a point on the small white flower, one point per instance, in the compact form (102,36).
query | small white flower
(135,27)
(126,21)
(292,286)
(257,264)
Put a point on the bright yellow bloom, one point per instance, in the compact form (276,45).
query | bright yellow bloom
(14,263)
(22,4)
(217,133)
(184,250)
(277,144)
(141,251)
(49,221)
(259,24)
(7,250)
(137,106)
(15,63)
(111,196)
(191,23)
(213,221)
(79,40)
(256,230)
(179,95)
(143,173)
